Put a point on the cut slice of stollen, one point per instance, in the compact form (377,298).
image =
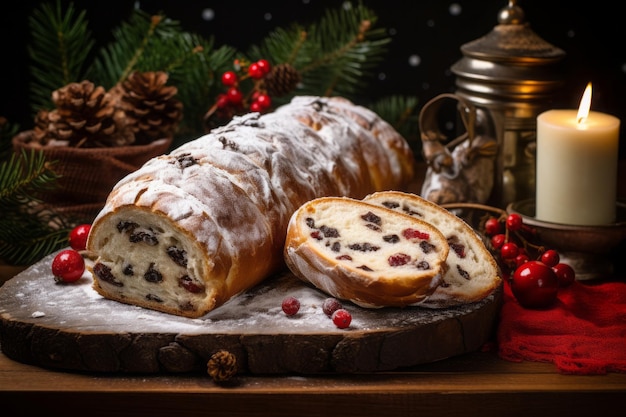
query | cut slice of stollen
(367,254)
(472,272)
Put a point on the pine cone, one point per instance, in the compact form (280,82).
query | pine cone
(222,366)
(149,106)
(282,79)
(83,117)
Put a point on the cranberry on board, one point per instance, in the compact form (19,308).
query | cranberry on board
(78,236)
(341,318)
(535,285)
(330,305)
(68,266)
(290,306)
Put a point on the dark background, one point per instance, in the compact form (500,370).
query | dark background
(592,34)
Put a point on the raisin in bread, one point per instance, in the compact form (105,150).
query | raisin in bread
(189,230)
(364,253)
(472,272)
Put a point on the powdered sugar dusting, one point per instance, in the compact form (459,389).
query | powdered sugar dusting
(77,307)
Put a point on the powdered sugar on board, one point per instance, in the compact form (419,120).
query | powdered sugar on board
(254,320)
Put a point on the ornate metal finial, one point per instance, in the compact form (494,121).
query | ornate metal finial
(512,14)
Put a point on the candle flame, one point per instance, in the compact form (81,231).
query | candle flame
(585,105)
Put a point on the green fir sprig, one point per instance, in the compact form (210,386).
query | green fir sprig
(29,229)
(60,47)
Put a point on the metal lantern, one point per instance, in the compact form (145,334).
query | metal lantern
(512,75)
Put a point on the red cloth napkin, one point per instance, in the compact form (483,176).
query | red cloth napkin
(583,333)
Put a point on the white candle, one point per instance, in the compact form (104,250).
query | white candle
(577,157)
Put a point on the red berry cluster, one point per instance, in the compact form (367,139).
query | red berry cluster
(233,100)
(331,307)
(69,265)
(534,272)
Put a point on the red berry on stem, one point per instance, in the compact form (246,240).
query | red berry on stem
(255,107)
(509,250)
(235,96)
(492,226)
(264,100)
(550,257)
(68,266)
(342,318)
(514,222)
(565,274)
(264,65)
(535,285)
(229,78)
(255,71)
(521,259)
(498,240)
(78,237)
(222,101)
(290,306)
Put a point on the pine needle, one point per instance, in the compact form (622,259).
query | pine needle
(60,46)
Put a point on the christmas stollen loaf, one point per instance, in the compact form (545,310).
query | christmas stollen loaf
(472,272)
(369,255)
(189,230)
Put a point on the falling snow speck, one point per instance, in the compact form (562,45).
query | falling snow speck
(455,9)
(267,16)
(430,23)
(415,60)
(382,76)
(208,14)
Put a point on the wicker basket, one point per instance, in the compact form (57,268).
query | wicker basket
(88,174)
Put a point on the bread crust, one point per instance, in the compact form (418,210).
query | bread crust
(309,258)
(470,277)
(224,201)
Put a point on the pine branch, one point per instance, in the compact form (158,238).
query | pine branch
(142,43)
(61,44)
(7,131)
(403,114)
(335,55)
(23,176)
(156,43)
(349,48)
(29,230)
(194,72)
(25,239)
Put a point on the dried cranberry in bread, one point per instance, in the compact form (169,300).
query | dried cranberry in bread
(370,255)
(189,230)
(472,272)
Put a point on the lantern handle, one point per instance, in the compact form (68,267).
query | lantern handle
(435,153)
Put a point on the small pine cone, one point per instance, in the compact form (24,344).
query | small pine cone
(282,79)
(83,117)
(222,366)
(40,130)
(150,107)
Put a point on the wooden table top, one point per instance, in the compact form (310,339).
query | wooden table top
(478,383)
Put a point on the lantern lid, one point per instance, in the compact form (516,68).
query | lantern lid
(512,40)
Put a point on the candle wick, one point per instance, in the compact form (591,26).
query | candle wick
(581,120)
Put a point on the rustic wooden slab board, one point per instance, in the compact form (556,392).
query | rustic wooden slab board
(71,327)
